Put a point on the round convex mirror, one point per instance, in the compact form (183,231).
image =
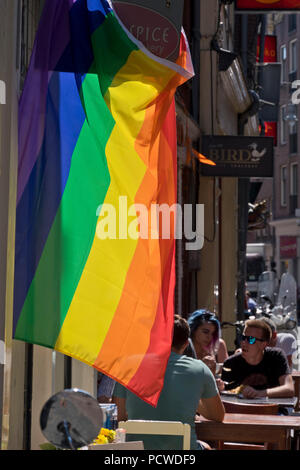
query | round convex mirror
(71,419)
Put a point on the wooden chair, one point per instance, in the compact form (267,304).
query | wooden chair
(247,408)
(169,428)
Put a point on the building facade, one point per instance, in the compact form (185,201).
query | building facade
(211,103)
(282,192)
(286,177)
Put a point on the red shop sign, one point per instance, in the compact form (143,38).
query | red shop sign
(270,130)
(267,5)
(270,52)
(288,247)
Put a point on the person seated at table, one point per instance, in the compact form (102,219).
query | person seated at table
(189,387)
(262,371)
(284,341)
(205,342)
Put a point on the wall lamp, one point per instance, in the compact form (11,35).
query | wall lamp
(290,115)
(225,57)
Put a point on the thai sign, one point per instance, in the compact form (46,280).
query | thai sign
(270,49)
(270,130)
(240,156)
(270,56)
(258,5)
(155,23)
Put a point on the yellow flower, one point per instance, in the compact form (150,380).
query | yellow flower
(101,439)
(108,433)
(105,436)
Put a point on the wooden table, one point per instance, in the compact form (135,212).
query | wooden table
(289,402)
(296,378)
(272,429)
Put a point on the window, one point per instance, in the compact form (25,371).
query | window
(293,136)
(294,188)
(283,185)
(293,61)
(255,266)
(294,178)
(283,60)
(292,22)
(31,10)
(282,125)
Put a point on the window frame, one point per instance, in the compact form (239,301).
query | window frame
(293,190)
(293,136)
(292,25)
(283,61)
(291,44)
(283,185)
(283,126)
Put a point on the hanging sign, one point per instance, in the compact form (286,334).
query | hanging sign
(268,5)
(270,52)
(288,247)
(271,130)
(240,156)
(155,23)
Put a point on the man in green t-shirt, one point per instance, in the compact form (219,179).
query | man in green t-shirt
(189,387)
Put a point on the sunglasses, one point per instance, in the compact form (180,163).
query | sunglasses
(251,339)
(208,316)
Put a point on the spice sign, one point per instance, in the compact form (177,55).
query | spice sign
(269,5)
(155,23)
(240,156)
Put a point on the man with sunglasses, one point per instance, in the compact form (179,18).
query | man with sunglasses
(263,371)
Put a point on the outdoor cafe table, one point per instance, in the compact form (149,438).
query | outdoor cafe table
(296,378)
(250,428)
(287,402)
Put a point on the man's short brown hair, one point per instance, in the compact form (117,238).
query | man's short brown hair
(265,329)
(269,322)
(181,332)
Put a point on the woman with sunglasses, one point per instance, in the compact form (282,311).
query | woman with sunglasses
(205,341)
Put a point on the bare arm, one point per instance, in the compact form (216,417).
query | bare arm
(289,358)
(222,351)
(285,389)
(211,408)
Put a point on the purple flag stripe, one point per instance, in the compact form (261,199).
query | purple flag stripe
(42,185)
(53,36)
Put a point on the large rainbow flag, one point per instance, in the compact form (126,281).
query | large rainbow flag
(96,129)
